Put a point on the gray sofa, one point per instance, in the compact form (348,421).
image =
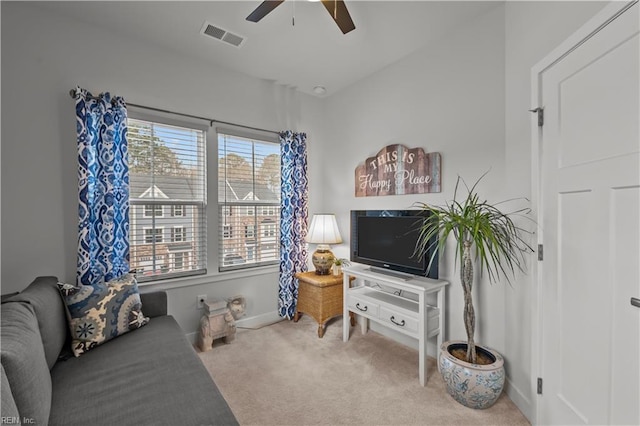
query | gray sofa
(148,376)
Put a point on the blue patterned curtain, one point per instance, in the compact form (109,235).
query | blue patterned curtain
(103,181)
(293,218)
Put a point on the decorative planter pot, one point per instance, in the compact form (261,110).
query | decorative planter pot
(472,385)
(337,270)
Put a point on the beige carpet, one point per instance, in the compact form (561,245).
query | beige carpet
(283,374)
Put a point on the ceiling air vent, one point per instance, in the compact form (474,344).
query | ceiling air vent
(221,34)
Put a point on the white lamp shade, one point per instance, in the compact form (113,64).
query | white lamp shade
(324,230)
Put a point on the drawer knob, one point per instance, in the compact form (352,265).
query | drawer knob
(393,320)
(362,309)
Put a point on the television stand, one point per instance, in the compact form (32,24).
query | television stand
(396,274)
(409,316)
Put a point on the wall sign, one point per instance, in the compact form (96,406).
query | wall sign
(398,170)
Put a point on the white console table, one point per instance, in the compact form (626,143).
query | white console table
(382,298)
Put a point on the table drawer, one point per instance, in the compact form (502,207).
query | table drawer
(363,306)
(398,321)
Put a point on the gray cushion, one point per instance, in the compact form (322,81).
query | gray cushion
(45,298)
(154,303)
(24,362)
(8,409)
(136,379)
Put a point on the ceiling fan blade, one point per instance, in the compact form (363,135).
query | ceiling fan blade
(338,11)
(265,8)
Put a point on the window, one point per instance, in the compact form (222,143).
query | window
(269,229)
(153,235)
(177,211)
(249,184)
(151,210)
(249,231)
(269,211)
(167,189)
(180,260)
(178,234)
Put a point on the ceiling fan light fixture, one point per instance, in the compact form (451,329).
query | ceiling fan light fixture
(319,90)
(336,9)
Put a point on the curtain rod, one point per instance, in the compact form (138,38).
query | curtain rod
(74,94)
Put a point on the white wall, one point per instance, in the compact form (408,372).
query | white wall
(447,97)
(532,30)
(466,96)
(43,57)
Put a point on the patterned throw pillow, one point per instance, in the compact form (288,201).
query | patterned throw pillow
(101,312)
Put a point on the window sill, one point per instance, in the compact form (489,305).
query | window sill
(173,283)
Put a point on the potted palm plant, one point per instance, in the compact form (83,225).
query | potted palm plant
(474,374)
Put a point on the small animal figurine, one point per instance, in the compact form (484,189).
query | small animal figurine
(216,324)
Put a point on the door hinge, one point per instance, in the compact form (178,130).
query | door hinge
(540,252)
(540,113)
(539,385)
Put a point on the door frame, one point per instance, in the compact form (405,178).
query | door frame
(608,14)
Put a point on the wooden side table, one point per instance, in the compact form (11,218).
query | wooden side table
(320,296)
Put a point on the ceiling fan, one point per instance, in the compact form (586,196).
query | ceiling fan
(336,9)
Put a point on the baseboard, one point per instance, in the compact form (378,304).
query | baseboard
(520,400)
(252,323)
(192,337)
(259,321)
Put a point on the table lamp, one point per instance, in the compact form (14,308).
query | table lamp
(323,231)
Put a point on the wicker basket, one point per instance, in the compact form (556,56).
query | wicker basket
(319,296)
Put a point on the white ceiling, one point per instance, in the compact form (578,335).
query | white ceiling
(312,53)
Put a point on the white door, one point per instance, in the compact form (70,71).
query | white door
(590,204)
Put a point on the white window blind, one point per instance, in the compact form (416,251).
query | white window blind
(248,201)
(167,215)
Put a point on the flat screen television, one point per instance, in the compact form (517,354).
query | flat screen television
(386,240)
